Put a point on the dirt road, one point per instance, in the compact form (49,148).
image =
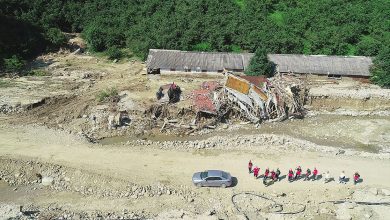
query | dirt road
(175,168)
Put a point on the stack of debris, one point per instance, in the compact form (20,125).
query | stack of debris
(254,98)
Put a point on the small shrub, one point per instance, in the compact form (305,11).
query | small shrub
(106,94)
(55,37)
(114,53)
(13,64)
(37,73)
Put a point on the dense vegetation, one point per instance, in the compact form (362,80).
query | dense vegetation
(338,27)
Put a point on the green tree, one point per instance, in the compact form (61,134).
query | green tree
(55,37)
(381,68)
(13,64)
(259,64)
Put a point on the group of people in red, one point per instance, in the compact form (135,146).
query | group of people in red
(298,174)
(273,176)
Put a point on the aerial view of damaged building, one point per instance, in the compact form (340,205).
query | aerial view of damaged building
(253,98)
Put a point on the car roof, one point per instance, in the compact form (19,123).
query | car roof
(214,173)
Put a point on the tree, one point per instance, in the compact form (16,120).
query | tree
(381,68)
(259,64)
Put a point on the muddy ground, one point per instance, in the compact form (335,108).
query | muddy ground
(49,169)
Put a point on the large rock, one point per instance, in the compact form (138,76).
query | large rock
(47,181)
(385,192)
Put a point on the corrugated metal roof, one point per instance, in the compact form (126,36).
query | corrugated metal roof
(296,63)
(210,61)
(322,64)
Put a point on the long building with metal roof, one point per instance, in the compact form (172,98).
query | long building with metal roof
(187,61)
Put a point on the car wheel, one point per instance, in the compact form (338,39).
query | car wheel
(223,185)
(199,184)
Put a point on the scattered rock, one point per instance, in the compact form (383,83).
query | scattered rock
(373,191)
(385,192)
(47,181)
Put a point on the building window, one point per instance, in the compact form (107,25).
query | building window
(172,69)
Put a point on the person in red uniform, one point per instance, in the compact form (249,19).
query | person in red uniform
(256,172)
(266,173)
(250,166)
(356,178)
(315,172)
(273,175)
(290,175)
(265,176)
(298,173)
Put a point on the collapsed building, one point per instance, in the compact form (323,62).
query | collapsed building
(246,98)
(255,99)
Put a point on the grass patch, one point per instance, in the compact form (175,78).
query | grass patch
(107,94)
(37,73)
(5,84)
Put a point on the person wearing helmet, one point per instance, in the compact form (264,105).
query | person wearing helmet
(307,175)
(256,172)
(315,173)
(298,173)
(277,174)
(342,178)
(250,165)
(273,176)
(290,175)
(356,178)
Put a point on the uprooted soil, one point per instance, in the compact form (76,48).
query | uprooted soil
(143,171)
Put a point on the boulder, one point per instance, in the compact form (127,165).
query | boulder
(47,181)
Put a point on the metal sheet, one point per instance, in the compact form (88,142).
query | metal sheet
(238,85)
(262,95)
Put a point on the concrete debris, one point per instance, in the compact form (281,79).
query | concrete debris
(47,181)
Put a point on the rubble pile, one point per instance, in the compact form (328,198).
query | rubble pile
(252,99)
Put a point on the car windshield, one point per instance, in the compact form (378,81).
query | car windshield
(224,175)
(203,175)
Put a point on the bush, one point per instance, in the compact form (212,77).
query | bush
(381,68)
(107,94)
(13,64)
(114,53)
(95,37)
(37,73)
(55,37)
(259,64)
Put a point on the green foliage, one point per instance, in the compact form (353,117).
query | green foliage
(55,37)
(278,18)
(114,53)
(37,73)
(106,94)
(13,64)
(240,3)
(333,27)
(381,68)
(235,49)
(259,64)
(204,46)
